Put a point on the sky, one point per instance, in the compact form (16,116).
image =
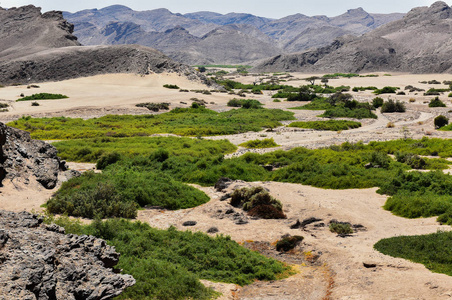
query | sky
(264,8)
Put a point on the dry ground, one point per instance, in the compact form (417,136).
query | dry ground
(330,267)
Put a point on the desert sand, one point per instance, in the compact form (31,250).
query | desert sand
(337,270)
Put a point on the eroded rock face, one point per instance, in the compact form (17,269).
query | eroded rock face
(23,159)
(39,261)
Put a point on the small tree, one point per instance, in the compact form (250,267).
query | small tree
(325,81)
(312,79)
(441,121)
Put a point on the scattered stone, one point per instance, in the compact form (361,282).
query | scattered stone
(369,265)
(213,230)
(189,223)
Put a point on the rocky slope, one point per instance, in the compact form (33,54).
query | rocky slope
(420,43)
(44,49)
(209,37)
(38,261)
(23,159)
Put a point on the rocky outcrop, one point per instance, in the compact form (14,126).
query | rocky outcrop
(23,159)
(39,261)
(419,43)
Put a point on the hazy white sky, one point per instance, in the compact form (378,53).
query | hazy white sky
(264,8)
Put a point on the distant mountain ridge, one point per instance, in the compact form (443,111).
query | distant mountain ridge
(421,42)
(210,37)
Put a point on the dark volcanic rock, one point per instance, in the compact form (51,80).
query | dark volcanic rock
(22,158)
(40,262)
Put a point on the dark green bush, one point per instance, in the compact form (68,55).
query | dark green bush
(43,96)
(341,228)
(154,106)
(441,121)
(258,144)
(436,102)
(245,103)
(390,107)
(377,102)
(251,198)
(171,86)
(386,90)
(288,243)
(108,159)
(335,125)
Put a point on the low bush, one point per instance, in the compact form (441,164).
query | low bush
(390,107)
(413,160)
(259,144)
(386,90)
(340,228)
(171,86)
(335,125)
(154,106)
(257,199)
(344,112)
(377,102)
(4,105)
(364,88)
(436,102)
(43,96)
(441,121)
(288,243)
(245,103)
(432,250)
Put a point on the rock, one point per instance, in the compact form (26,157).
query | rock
(39,262)
(189,223)
(22,158)
(225,197)
(222,183)
(369,265)
(305,222)
(210,230)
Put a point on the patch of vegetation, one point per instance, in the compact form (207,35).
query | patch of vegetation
(337,75)
(4,105)
(386,90)
(154,106)
(181,121)
(163,259)
(435,92)
(259,144)
(288,243)
(224,66)
(390,107)
(258,203)
(377,102)
(171,86)
(335,125)
(364,88)
(43,96)
(34,103)
(432,250)
(436,102)
(317,104)
(341,228)
(441,121)
(245,103)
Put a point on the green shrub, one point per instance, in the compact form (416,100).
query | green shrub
(386,90)
(171,86)
(450,95)
(108,159)
(258,144)
(345,112)
(288,243)
(43,96)
(251,199)
(390,107)
(441,121)
(364,88)
(436,102)
(4,105)
(245,103)
(413,160)
(432,250)
(341,228)
(377,102)
(336,125)
(34,103)
(154,106)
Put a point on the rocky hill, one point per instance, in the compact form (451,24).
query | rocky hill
(209,37)
(39,261)
(41,47)
(421,42)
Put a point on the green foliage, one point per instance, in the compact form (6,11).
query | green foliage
(91,150)
(364,88)
(180,121)
(316,104)
(340,228)
(335,125)
(434,250)
(386,90)
(336,75)
(4,105)
(171,86)
(441,121)
(450,95)
(259,144)
(288,243)
(436,102)
(225,66)
(390,107)
(154,106)
(361,111)
(377,102)
(413,160)
(43,96)
(435,92)
(245,103)
(258,202)
(118,191)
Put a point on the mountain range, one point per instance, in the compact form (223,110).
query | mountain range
(421,42)
(208,37)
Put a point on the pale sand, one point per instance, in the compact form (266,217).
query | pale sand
(341,258)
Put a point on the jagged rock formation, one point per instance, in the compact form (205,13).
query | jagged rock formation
(40,47)
(207,37)
(23,159)
(419,43)
(38,261)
